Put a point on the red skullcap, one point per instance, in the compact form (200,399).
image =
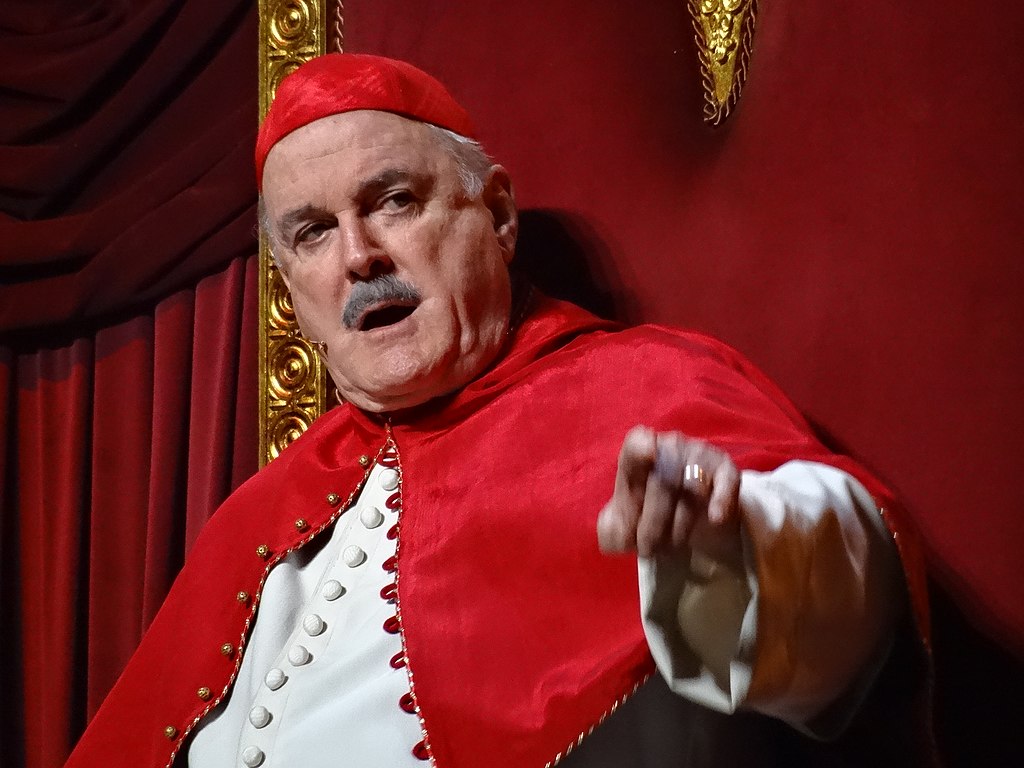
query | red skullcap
(343,82)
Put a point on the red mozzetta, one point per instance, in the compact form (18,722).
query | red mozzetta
(520,634)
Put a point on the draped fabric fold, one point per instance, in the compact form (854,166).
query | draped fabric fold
(125,154)
(127,331)
(119,447)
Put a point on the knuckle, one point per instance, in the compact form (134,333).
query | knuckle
(646,540)
(639,437)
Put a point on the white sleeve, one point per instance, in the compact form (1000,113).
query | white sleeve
(803,624)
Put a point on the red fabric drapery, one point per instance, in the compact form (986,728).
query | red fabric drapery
(127,314)
(121,445)
(125,152)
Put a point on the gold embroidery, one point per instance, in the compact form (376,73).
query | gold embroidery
(724,31)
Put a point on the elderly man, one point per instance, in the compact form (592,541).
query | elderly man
(434,572)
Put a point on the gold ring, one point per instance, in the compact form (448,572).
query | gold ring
(695,472)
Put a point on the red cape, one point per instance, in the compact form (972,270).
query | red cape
(520,634)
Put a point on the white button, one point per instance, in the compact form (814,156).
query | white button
(333,590)
(389,479)
(371,517)
(298,655)
(353,556)
(313,625)
(259,716)
(275,679)
(252,756)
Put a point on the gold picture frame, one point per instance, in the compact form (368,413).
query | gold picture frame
(292,378)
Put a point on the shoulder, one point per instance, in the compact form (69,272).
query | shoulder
(286,480)
(660,349)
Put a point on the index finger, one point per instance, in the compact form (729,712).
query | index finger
(617,523)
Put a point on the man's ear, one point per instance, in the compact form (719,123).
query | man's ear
(500,201)
(282,269)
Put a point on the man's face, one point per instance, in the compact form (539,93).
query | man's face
(357,196)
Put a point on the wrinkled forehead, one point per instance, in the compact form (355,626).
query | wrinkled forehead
(349,147)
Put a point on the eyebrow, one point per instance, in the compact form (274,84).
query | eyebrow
(389,177)
(368,189)
(371,187)
(299,215)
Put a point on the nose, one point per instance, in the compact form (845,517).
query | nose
(362,253)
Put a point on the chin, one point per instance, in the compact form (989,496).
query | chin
(403,389)
(416,370)
(414,386)
(390,401)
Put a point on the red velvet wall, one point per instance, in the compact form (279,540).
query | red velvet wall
(855,227)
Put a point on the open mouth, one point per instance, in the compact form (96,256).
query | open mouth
(382,317)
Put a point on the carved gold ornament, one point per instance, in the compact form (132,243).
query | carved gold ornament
(725,32)
(292,377)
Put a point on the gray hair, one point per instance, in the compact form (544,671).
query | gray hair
(471,162)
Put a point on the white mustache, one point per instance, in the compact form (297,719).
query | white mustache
(379,290)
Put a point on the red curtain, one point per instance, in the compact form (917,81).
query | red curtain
(125,152)
(127,308)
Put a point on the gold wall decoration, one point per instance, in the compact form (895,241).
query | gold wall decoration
(292,378)
(725,32)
